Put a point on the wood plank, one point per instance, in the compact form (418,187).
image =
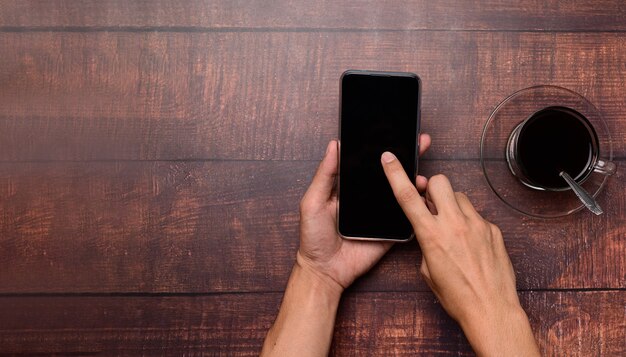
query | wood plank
(233,227)
(532,15)
(564,323)
(272,96)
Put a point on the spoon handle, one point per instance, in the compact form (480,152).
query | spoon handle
(585,197)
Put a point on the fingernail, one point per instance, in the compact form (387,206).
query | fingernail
(328,148)
(388,157)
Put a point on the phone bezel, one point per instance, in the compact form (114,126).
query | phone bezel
(419,100)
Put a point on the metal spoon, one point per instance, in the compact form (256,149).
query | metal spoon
(584,196)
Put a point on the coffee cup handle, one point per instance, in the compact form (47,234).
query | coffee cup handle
(605,167)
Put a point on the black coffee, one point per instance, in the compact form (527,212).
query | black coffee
(556,139)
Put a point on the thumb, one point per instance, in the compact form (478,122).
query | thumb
(322,185)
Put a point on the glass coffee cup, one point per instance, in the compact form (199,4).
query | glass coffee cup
(535,133)
(552,140)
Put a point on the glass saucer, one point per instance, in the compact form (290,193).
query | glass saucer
(504,118)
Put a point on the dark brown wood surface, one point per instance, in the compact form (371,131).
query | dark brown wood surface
(225,226)
(490,15)
(392,323)
(271,95)
(153,153)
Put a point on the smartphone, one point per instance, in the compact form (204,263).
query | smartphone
(379,111)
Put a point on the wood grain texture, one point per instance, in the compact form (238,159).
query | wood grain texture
(565,323)
(532,15)
(272,96)
(233,227)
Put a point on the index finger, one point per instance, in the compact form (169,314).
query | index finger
(406,194)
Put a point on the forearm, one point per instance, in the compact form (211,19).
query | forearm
(506,333)
(306,319)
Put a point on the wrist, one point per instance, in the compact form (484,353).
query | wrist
(502,331)
(482,315)
(305,321)
(318,280)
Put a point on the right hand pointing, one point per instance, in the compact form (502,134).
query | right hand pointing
(465,263)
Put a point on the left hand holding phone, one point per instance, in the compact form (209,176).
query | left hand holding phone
(325,265)
(322,250)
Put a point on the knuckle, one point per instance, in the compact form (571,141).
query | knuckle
(302,204)
(461,229)
(406,195)
(396,170)
(494,234)
(427,237)
(424,271)
(438,180)
(495,230)
(305,205)
(457,220)
(512,272)
(428,233)
(484,228)
(461,196)
(498,238)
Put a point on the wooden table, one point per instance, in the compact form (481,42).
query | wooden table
(153,154)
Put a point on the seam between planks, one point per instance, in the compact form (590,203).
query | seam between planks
(194,29)
(200,294)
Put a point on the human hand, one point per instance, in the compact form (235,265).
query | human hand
(465,263)
(322,251)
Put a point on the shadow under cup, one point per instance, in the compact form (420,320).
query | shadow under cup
(553,140)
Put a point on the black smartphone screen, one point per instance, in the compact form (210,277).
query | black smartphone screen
(379,112)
